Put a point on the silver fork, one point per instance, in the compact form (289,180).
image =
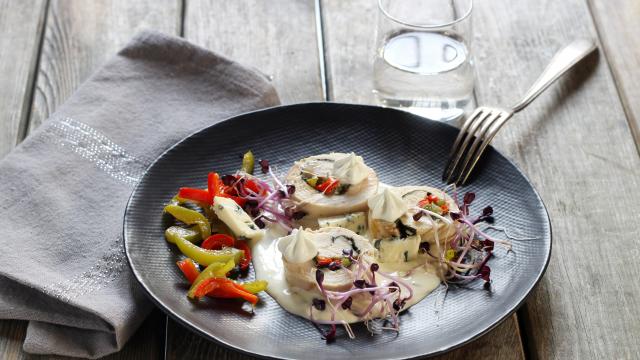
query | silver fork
(479,129)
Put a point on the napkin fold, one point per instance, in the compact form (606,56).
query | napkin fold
(64,189)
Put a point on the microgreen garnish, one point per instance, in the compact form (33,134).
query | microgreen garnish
(467,253)
(347,303)
(264,165)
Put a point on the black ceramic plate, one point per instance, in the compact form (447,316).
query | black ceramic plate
(404,150)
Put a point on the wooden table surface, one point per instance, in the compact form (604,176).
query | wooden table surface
(578,142)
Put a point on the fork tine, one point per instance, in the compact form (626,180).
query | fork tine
(489,120)
(461,142)
(487,140)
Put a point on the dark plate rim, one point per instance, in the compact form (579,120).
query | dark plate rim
(184,322)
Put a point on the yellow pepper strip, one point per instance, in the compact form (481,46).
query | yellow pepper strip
(174,232)
(190,217)
(255,287)
(216,269)
(207,257)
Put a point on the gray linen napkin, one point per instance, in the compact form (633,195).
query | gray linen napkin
(64,189)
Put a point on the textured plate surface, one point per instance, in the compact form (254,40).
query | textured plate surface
(404,150)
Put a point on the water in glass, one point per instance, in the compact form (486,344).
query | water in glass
(426,72)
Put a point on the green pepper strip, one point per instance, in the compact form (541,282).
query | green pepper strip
(175,232)
(248,162)
(177,200)
(255,287)
(216,269)
(207,257)
(190,217)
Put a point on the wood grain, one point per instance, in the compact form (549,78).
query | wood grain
(81,35)
(503,342)
(276,37)
(349,35)
(575,145)
(350,47)
(619,30)
(78,37)
(21,25)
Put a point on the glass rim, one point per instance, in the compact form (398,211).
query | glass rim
(425,26)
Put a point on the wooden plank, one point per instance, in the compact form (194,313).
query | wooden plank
(79,36)
(21,24)
(350,46)
(349,36)
(276,37)
(143,345)
(575,145)
(619,30)
(501,343)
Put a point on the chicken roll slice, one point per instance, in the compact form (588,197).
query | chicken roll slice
(434,200)
(306,251)
(332,184)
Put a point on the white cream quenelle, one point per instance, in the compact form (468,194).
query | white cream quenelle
(387,205)
(384,209)
(298,247)
(350,169)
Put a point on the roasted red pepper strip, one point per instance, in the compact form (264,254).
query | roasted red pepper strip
(251,185)
(223,288)
(240,201)
(246,260)
(333,187)
(329,186)
(189,269)
(206,286)
(228,190)
(239,286)
(228,289)
(213,185)
(217,242)
(323,261)
(195,195)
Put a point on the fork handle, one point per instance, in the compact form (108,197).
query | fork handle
(562,61)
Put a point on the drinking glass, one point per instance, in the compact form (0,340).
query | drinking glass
(423,61)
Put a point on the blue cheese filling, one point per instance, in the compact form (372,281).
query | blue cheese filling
(356,222)
(397,250)
(238,221)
